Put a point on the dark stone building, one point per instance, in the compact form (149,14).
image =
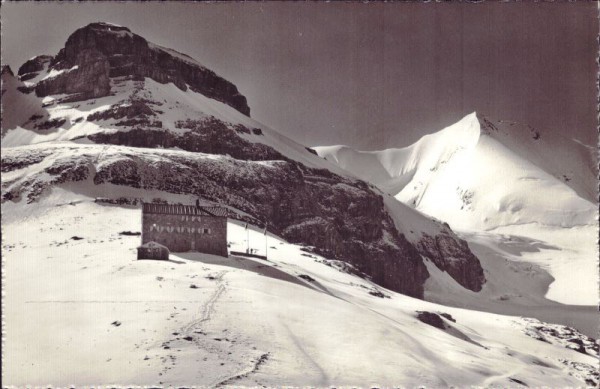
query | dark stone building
(185,227)
(153,250)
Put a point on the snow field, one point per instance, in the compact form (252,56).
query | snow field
(88,302)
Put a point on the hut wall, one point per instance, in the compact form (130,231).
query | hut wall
(153,253)
(180,233)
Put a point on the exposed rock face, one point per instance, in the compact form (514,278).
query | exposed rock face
(345,228)
(135,108)
(86,79)
(31,68)
(99,51)
(208,135)
(452,255)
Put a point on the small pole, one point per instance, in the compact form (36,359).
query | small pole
(247,240)
(266,243)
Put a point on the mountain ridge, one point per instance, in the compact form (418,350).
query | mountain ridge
(522,158)
(100,51)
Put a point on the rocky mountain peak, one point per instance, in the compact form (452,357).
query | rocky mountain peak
(7,70)
(486,124)
(99,52)
(105,26)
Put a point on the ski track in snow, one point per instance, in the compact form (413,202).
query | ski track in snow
(206,309)
(323,378)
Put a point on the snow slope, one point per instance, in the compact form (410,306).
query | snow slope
(296,319)
(173,104)
(472,177)
(501,178)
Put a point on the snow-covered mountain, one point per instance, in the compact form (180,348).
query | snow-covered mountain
(500,177)
(113,119)
(481,175)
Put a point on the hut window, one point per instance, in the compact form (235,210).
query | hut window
(206,231)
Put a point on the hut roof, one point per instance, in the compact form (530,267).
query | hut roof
(176,209)
(153,245)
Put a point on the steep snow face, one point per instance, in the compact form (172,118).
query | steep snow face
(480,177)
(508,180)
(297,319)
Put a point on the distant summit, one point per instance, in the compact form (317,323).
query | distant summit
(484,173)
(98,52)
(7,70)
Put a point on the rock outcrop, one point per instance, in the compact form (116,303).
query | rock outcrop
(33,67)
(87,78)
(452,255)
(208,135)
(100,51)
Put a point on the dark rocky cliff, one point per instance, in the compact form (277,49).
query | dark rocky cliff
(99,51)
(33,67)
(452,255)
